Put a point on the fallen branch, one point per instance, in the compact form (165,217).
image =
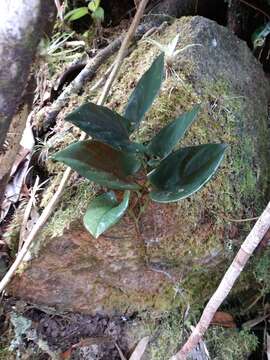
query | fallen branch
(56,197)
(76,85)
(232,274)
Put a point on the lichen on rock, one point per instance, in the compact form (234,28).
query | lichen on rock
(165,255)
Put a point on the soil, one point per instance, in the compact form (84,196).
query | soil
(75,331)
(72,335)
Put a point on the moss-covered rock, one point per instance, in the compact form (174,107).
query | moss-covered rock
(162,255)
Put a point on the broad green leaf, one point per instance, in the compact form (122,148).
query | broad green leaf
(104,125)
(98,14)
(144,94)
(163,143)
(185,171)
(101,164)
(76,13)
(93,5)
(101,124)
(104,212)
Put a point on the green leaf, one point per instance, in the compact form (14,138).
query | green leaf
(101,164)
(101,124)
(144,94)
(104,125)
(98,14)
(163,143)
(185,171)
(93,5)
(76,13)
(104,212)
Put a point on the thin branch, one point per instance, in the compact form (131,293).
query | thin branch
(124,46)
(27,213)
(102,80)
(76,85)
(56,197)
(256,8)
(226,284)
(241,220)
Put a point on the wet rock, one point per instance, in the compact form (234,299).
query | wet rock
(163,255)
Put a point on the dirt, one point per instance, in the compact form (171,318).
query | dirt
(71,336)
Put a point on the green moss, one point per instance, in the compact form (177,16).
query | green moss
(73,205)
(166,337)
(261,271)
(5,354)
(230,344)
(200,284)
(117,299)
(169,332)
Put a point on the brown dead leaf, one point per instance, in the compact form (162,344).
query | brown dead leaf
(223,319)
(66,355)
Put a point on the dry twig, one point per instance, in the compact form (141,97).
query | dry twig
(231,275)
(27,213)
(56,197)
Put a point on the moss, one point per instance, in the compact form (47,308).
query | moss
(12,232)
(261,271)
(73,205)
(230,344)
(166,337)
(169,331)
(5,354)
(118,299)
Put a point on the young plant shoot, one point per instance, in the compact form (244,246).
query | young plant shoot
(112,160)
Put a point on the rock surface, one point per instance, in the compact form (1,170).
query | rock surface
(161,255)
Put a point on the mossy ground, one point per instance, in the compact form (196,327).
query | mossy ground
(168,332)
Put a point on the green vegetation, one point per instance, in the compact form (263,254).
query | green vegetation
(111,159)
(262,273)
(93,8)
(230,344)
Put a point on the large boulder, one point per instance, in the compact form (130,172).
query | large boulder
(162,254)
